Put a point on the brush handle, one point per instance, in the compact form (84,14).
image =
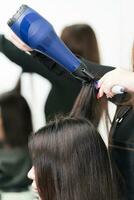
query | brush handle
(117,89)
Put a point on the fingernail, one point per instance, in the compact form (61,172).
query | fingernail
(97,85)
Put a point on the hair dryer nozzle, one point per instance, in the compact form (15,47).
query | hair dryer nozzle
(82,73)
(16,16)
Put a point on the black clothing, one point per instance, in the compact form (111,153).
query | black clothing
(122,139)
(122,146)
(65,88)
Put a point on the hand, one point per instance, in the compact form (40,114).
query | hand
(116,77)
(18,43)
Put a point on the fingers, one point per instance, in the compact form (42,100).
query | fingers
(101,92)
(100,81)
(18,43)
(111,79)
(110,95)
(105,88)
(107,91)
(105,85)
(21,45)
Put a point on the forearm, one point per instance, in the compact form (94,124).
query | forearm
(48,63)
(14,54)
(97,70)
(43,65)
(24,60)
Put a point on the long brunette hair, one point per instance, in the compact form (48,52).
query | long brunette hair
(71,162)
(81,40)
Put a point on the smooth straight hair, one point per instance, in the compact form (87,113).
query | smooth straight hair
(71,162)
(82,41)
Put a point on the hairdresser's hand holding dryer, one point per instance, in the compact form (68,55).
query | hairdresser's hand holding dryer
(118,76)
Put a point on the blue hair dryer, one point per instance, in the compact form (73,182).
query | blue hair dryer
(39,34)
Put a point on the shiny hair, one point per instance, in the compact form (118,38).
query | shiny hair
(72,162)
(81,39)
(87,105)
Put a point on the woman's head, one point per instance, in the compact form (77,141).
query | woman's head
(15,119)
(81,40)
(71,162)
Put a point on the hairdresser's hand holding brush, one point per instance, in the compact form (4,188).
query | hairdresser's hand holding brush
(117,77)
